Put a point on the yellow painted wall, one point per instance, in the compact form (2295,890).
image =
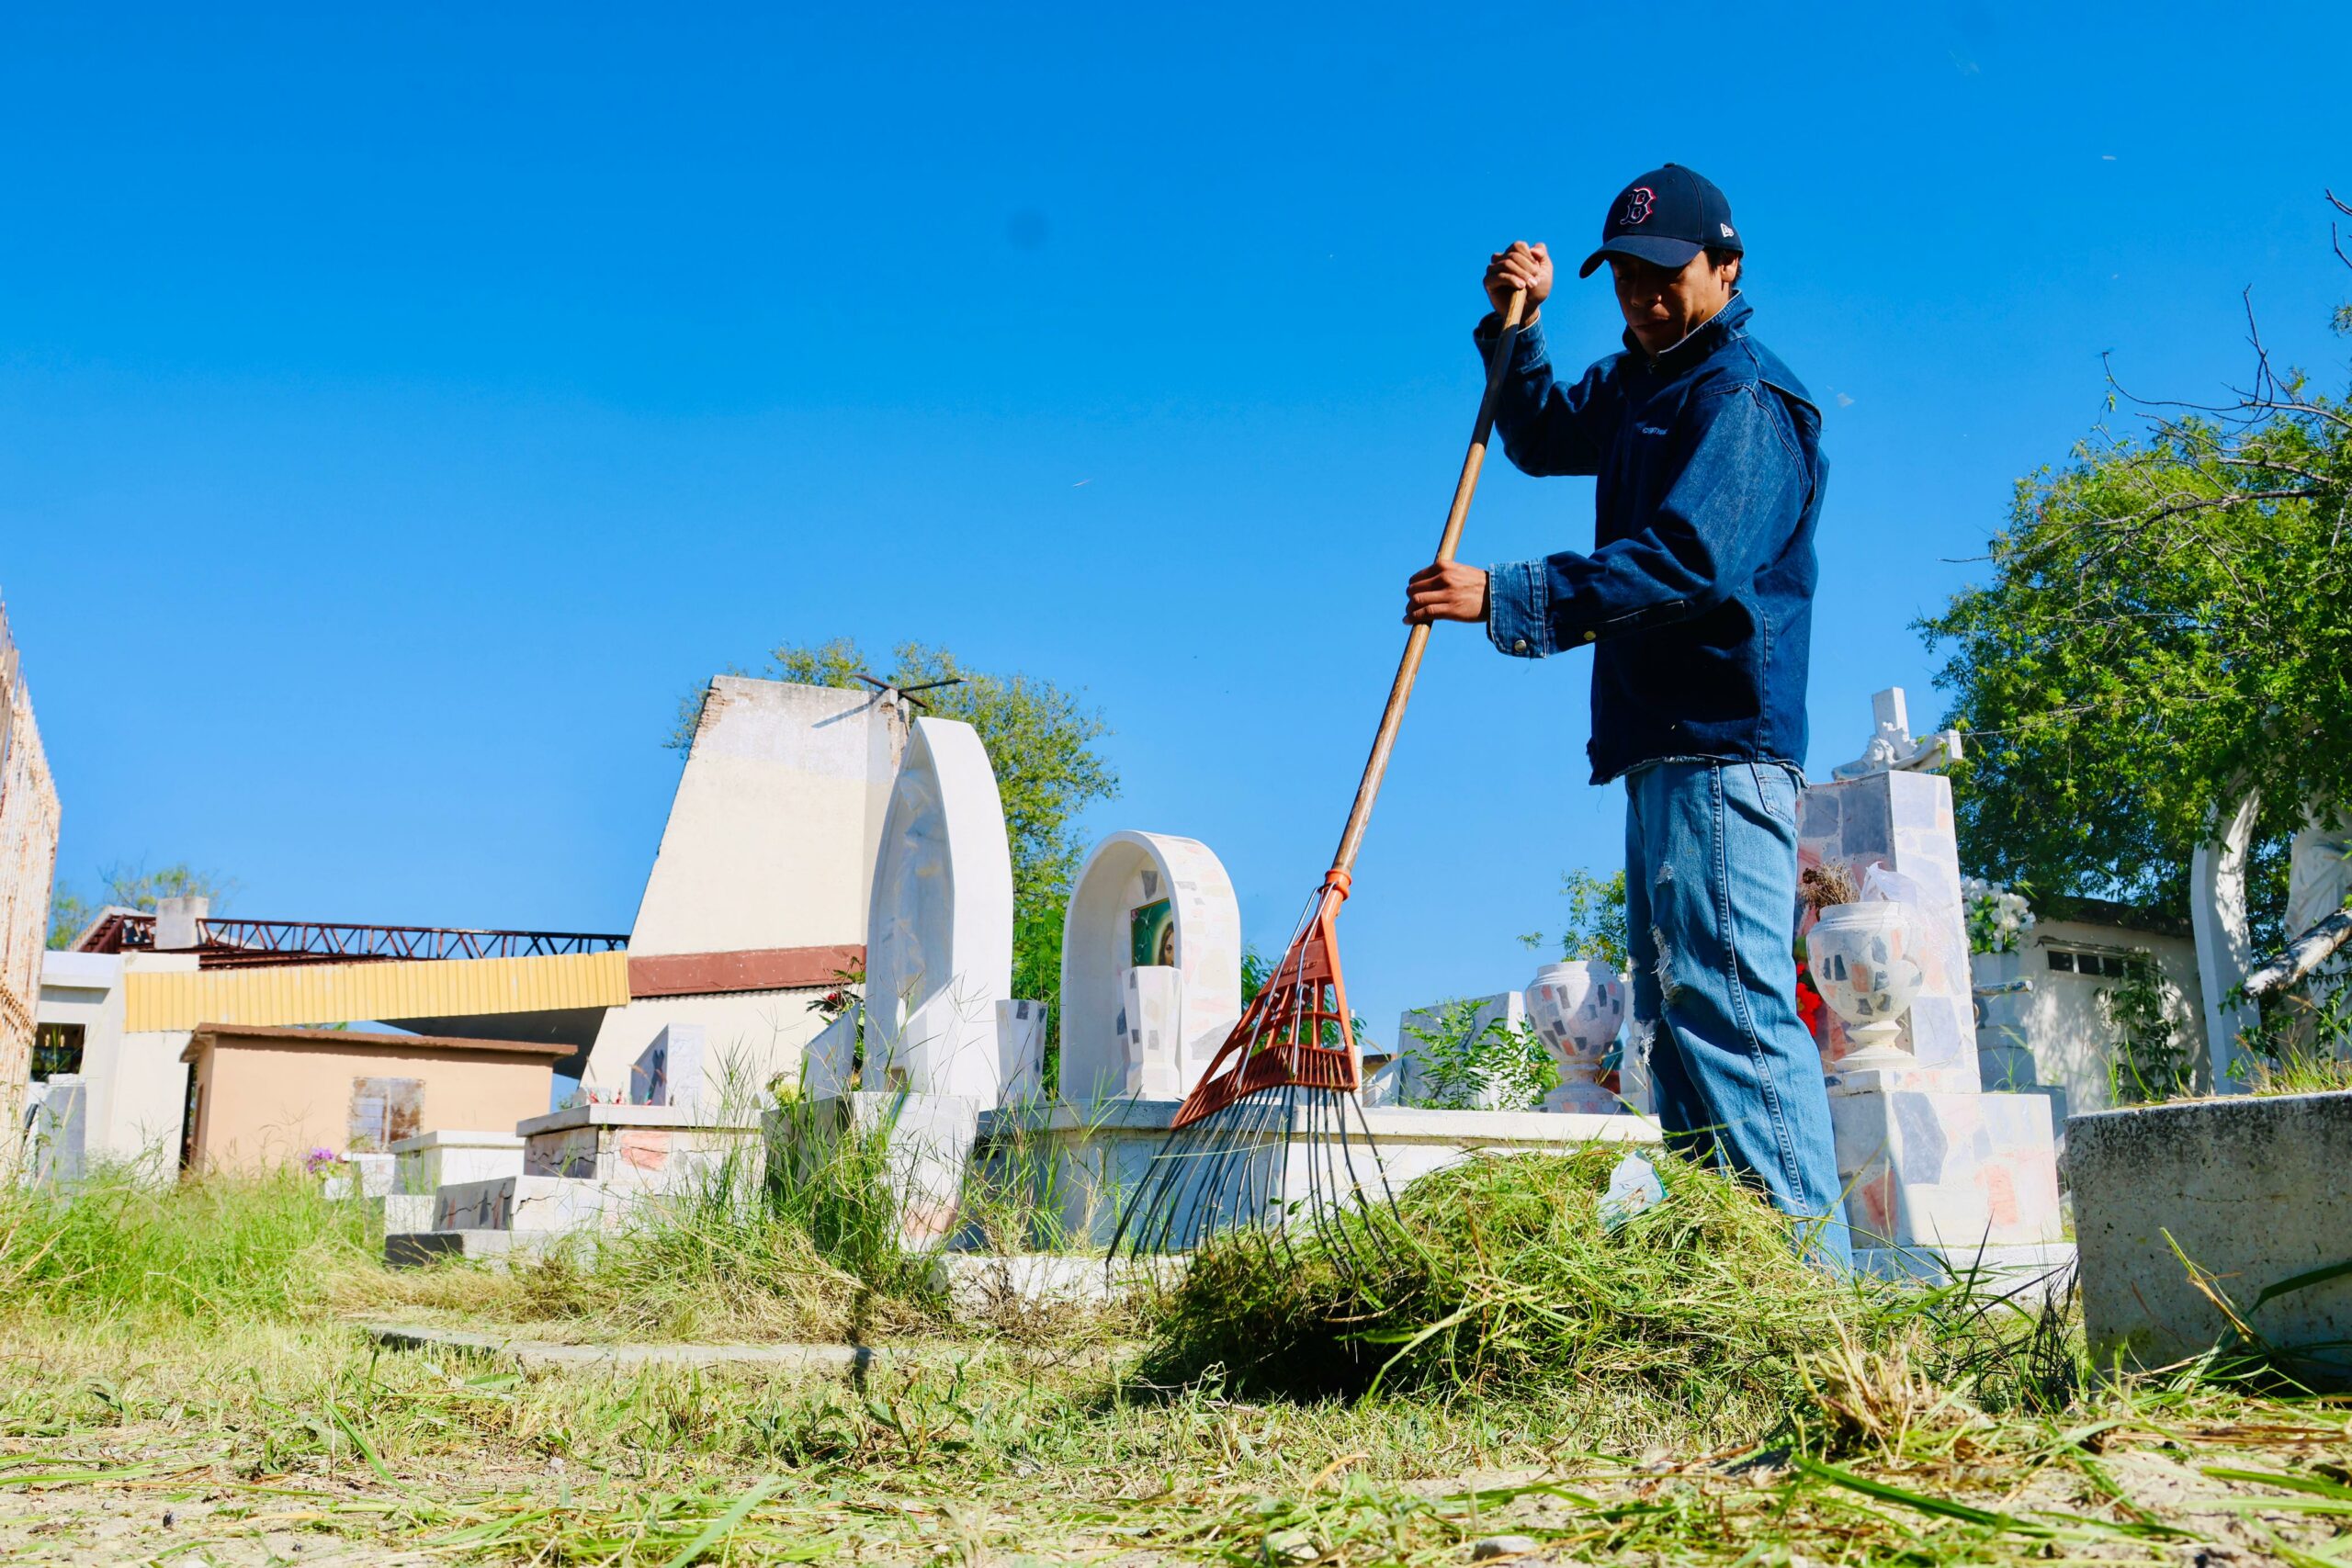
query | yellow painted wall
(352,993)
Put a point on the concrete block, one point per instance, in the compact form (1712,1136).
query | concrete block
(672,1070)
(1932,1168)
(416,1249)
(1152,1031)
(981,1287)
(658,1144)
(1506,1008)
(426,1163)
(408,1211)
(2252,1190)
(362,1176)
(521,1204)
(56,1131)
(1019,1049)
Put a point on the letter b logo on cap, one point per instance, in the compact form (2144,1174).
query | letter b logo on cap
(1639,203)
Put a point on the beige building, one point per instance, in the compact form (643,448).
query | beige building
(261,1097)
(29,819)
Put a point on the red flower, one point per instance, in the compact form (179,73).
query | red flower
(1808,1004)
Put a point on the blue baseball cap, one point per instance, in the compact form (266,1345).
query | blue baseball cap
(1665,218)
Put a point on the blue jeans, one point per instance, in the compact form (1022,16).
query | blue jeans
(1711,893)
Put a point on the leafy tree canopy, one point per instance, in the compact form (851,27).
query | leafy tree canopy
(132,887)
(1595,926)
(2169,625)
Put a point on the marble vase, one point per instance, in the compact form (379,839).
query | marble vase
(1861,963)
(1578,1009)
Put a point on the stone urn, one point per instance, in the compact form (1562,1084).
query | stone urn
(1577,1009)
(1860,958)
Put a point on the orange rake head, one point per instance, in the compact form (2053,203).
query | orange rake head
(1263,1141)
(1296,1030)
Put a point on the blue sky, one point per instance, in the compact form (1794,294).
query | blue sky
(401,407)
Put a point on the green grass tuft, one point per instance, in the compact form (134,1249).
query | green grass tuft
(251,1247)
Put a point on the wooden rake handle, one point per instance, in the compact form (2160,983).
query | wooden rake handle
(1415,641)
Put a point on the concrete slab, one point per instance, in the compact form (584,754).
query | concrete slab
(2252,1190)
(430,1161)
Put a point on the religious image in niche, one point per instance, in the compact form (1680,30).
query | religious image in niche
(1151,933)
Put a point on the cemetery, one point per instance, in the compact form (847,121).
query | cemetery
(919,1095)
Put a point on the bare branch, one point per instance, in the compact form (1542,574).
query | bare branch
(2303,955)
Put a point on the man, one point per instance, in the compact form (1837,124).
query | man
(1697,602)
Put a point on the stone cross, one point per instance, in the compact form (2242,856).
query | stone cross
(1891,747)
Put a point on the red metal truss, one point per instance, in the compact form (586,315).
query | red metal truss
(224,944)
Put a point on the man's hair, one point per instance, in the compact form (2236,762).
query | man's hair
(1717,255)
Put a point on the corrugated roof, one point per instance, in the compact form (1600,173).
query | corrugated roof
(354,993)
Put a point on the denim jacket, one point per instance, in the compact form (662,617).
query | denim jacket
(1698,595)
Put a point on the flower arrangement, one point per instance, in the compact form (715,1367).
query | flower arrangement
(1998,918)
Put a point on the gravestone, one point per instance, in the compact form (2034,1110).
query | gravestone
(57,1126)
(1151,968)
(1939,1173)
(1404,1081)
(672,1070)
(939,934)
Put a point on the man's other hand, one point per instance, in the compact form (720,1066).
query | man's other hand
(1449,593)
(1521,266)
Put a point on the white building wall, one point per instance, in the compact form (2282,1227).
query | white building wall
(750,1037)
(2073,1045)
(137,1083)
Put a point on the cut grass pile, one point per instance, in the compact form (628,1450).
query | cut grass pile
(1500,1272)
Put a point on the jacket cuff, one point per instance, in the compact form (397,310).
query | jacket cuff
(1518,606)
(1525,353)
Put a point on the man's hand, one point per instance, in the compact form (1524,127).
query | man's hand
(1448,593)
(1521,266)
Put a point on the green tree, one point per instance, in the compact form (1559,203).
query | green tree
(131,887)
(1041,741)
(2167,626)
(1595,926)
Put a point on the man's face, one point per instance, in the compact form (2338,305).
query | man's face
(1662,306)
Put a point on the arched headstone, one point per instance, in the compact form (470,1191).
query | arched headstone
(1151,949)
(939,936)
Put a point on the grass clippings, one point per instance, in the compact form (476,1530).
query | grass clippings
(1500,1273)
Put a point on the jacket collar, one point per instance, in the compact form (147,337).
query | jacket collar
(1699,342)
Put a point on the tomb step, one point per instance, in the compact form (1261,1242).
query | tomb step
(982,1288)
(2025,1269)
(418,1249)
(549,1203)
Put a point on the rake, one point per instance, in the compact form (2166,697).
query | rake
(1263,1142)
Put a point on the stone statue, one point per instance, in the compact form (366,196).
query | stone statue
(1891,748)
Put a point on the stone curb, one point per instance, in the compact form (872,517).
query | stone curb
(537,1354)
